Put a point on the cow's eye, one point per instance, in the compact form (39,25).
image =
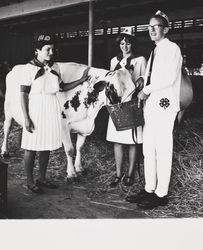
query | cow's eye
(111,87)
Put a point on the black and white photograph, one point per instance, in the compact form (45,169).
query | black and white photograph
(101,124)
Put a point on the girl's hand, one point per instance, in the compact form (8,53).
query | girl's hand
(139,83)
(85,74)
(29,125)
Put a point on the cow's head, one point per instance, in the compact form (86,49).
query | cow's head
(118,84)
(110,91)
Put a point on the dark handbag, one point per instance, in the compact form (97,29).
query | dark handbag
(126,115)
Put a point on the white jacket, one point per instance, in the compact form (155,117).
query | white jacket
(164,89)
(138,63)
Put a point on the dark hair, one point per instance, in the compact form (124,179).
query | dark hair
(163,20)
(41,40)
(39,45)
(128,38)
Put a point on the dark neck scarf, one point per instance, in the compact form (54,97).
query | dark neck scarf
(127,66)
(41,71)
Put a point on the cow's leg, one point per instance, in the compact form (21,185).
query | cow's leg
(69,150)
(79,144)
(7,127)
(180,117)
(179,121)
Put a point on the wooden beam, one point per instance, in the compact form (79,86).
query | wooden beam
(91,34)
(35,6)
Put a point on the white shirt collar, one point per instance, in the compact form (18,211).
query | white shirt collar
(162,42)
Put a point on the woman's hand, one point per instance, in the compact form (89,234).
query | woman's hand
(71,85)
(61,86)
(29,125)
(139,83)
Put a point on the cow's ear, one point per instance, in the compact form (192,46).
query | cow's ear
(99,86)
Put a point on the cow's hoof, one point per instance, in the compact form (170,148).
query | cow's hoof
(71,179)
(5,155)
(82,172)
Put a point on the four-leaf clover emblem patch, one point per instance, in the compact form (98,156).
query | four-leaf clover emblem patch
(164,103)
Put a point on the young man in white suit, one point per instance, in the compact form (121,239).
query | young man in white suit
(161,103)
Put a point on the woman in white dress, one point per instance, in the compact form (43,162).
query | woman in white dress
(136,65)
(41,110)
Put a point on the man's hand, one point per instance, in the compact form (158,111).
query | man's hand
(141,97)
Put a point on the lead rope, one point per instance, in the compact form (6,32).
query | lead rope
(134,130)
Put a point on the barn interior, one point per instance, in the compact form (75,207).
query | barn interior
(20,20)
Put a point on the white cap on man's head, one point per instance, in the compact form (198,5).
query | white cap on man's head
(128,31)
(162,14)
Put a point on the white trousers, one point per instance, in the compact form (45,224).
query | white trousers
(158,150)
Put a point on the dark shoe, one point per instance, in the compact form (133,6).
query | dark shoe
(115,182)
(129,180)
(5,156)
(46,184)
(153,202)
(35,189)
(136,198)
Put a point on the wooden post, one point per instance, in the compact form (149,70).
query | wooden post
(91,34)
(3,189)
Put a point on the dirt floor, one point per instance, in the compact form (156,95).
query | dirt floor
(70,200)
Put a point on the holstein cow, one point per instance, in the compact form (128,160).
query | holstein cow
(186,94)
(79,105)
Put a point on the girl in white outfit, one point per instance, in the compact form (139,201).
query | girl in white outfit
(42,115)
(136,65)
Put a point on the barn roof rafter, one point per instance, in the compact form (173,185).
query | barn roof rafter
(75,12)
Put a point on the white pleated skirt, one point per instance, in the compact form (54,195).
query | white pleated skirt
(44,111)
(125,136)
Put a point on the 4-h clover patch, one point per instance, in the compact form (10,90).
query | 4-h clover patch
(164,103)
